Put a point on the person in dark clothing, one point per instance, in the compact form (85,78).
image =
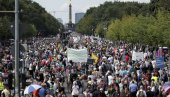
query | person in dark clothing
(102,94)
(96,93)
(144,69)
(10,77)
(23,80)
(73,76)
(164,76)
(150,67)
(79,83)
(149,93)
(41,77)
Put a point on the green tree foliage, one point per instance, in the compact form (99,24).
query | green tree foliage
(107,12)
(101,28)
(142,29)
(32,14)
(4,28)
(130,21)
(88,24)
(156,5)
(28,30)
(45,23)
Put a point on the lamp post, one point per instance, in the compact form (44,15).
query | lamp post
(17,92)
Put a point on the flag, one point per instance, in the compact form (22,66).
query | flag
(95,58)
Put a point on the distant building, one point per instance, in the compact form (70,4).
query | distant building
(78,17)
(60,20)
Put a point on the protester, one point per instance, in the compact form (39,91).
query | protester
(141,92)
(1,85)
(75,89)
(43,91)
(5,92)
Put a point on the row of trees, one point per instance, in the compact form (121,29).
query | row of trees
(142,29)
(130,21)
(100,17)
(34,20)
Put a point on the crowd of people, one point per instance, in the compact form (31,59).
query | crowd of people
(112,73)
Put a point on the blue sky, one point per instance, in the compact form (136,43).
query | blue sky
(59,8)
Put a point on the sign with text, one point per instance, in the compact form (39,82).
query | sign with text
(160,62)
(77,55)
(137,56)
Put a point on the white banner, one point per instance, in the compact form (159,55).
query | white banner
(137,56)
(77,55)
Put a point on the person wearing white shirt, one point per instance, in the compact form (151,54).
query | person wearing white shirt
(110,79)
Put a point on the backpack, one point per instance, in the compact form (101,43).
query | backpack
(141,94)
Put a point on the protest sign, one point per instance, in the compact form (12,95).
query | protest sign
(137,56)
(77,55)
(160,62)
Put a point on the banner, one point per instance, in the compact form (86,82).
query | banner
(77,55)
(137,56)
(160,62)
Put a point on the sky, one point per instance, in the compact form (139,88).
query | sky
(60,8)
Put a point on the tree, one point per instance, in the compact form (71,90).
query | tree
(4,28)
(146,30)
(107,12)
(28,30)
(30,13)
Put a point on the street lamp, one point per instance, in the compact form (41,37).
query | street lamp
(17,92)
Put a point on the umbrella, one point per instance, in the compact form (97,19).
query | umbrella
(167,87)
(167,83)
(31,88)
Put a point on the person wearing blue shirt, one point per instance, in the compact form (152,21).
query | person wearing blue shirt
(42,91)
(133,89)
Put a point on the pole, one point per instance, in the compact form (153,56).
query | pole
(17,92)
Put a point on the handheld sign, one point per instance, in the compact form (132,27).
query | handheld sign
(160,62)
